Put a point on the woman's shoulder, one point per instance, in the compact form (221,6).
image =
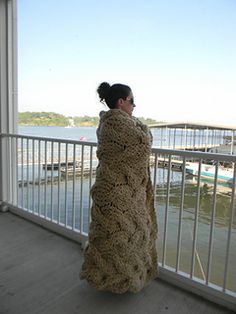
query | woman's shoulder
(115,115)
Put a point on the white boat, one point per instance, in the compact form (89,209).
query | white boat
(208,171)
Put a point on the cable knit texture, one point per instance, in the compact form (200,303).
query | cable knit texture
(121,255)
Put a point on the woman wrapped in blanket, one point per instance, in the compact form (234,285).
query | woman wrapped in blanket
(121,253)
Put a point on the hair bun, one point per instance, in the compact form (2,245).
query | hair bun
(103,90)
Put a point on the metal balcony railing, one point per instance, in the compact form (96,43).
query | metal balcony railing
(49,181)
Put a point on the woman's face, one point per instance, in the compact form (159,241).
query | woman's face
(127,105)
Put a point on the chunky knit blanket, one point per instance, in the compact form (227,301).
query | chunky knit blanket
(121,255)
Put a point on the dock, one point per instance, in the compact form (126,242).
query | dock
(77,171)
(55,165)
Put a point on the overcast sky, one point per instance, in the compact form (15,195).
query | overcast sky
(179,57)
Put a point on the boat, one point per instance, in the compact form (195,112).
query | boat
(208,171)
(83,138)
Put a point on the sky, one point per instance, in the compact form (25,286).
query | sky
(178,57)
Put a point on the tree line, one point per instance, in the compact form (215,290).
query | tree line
(55,119)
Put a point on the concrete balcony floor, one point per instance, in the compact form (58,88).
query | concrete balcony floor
(39,273)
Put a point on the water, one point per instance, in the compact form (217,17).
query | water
(220,232)
(89,133)
(161,138)
(190,200)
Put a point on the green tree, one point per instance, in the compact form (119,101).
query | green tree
(42,119)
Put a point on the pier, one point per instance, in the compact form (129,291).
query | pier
(194,136)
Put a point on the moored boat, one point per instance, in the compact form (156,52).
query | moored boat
(208,171)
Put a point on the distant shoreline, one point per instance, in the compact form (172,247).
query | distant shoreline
(54,119)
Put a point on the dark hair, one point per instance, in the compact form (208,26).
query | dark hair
(111,94)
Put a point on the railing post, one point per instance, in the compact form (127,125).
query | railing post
(3,174)
(8,99)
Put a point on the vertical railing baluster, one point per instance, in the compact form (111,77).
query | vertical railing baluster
(196,221)
(22,172)
(180,215)
(212,226)
(59,185)
(166,212)
(27,172)
(33,175)
(45,178)
(52,173)
(90,184)
(155,176)
(17,172)
(39,177)
(81,189)
(231,216)
(65,209)
(73,186)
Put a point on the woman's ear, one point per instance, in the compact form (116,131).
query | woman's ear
(120,103)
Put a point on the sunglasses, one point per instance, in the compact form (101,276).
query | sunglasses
(131,101)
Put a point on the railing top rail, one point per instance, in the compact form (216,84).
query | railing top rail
(49,139)
(201,155)
(166,151)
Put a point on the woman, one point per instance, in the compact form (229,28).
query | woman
(121,254)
